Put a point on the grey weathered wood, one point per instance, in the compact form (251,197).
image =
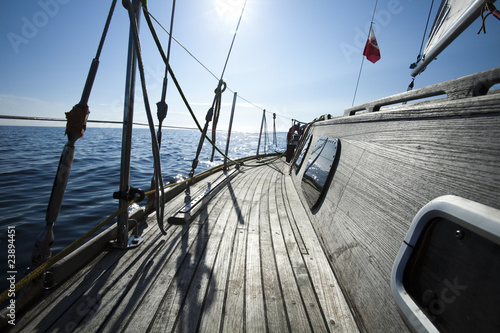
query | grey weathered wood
(234,309)
(235,267)
(274,304)
(258,259)
(298,264)
(391,164)
(195,204)
(217,292)
(296,313)
(337,314)
(254,293)
(468,86)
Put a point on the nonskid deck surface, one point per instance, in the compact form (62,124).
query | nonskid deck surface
(250,261)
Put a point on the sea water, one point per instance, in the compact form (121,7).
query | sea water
(29,157)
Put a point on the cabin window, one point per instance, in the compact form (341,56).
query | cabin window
(453,276)
(445,276)
(319,171)
(305,147)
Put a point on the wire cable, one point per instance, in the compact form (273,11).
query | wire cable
(146,11)
(234,37)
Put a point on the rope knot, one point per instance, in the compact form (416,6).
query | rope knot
(77,120)
(162,110)
(209,115)
(492,10)
(221,87)
(126,4)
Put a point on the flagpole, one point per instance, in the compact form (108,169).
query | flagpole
(363,56)
(357,83)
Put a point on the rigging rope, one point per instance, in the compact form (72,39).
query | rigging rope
(489,6)
(208,118)
(157,179)
(218,93)
(216,111)
(75,127)
(419,57)
(177,85)
(148,16)
(162,106)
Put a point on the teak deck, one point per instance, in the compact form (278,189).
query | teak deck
(250,261)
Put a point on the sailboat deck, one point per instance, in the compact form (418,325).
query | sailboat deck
(250,261)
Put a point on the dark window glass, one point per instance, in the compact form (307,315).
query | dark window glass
(453,275)
(319,170)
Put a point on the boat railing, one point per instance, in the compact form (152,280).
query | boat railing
(467,86)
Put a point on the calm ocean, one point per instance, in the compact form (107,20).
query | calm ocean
(28,162)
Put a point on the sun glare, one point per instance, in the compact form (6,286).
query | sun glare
(229,9)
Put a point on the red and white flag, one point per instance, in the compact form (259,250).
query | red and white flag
(371,50)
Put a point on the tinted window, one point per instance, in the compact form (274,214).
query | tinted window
(319,169)
(453,275)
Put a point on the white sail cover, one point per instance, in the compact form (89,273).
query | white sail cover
(452,18)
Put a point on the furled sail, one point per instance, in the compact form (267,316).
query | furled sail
(452,18)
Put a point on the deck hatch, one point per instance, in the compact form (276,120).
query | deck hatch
(320,169)
(446,273)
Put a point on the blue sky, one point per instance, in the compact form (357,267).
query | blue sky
(299,59)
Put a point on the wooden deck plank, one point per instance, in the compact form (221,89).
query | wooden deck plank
(337,314)
(234,319)
(133,283)
(196,300)
(255,315)
(275,308)
(167,294)
(234,315)
(164,301)
(289,208)
(52,308)
(120,295)
(165,254)
(213,315)
(250,261)
(296,313)
(299,268)
(75,302)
